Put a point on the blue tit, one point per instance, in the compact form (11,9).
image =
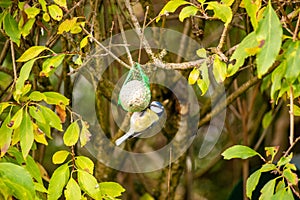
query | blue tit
(141,121)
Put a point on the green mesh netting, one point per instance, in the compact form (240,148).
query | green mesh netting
(135,93)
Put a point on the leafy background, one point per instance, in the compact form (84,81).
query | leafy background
(249,46)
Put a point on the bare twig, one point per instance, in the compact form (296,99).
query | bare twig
(291,147)
(142,35)
(125,41)
(138,30)
(291,115)
(13,60)
(182,45)
(178,66)
(4,51)
(222,105)
(106,50)
(6,70)
(296,29)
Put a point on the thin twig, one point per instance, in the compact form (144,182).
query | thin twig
(291,115)
(138,30)
(291,147)
(125,40)
(169,172)
(222,105)
(4,51)
(182,43)
(106,50)
(13,60)
(178,66)
(142,35)
(296,29)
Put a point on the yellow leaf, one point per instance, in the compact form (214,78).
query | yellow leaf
(55,12)
(66,25)
(61,3)
(194,75)
(39,135)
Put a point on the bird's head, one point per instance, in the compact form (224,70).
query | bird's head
(157,107)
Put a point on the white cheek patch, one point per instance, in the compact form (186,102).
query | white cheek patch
(156,109)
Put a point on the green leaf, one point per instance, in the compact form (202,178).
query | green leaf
(280,185)
(171,7)
(283,194)
(276,78)
(89,184)
(5,136)
(271,151)
(291,166)
(24,75)
(32,52)
(187,12)
(46,17)
(55,12)
(37,96)
(268,34)
(56,98)
(111,189)
(5,3)
(147,196)
(252,7)
(267,119)
(77,28)
(43,4)
(33,169)
(268,190)
(16,120)
(40,187)
(72,134)
(293,60)
(239,151)
(219,69)
(221,11)
(284,160)
(51,64)
(27,27)
(45,128)
(203,82)
(18,180)
(296,110)
(252,181)
(3,106)
(240,54)
(36,114)
(201,53)
(84,41)
(32,12)
(60,156)
(84,163)
(194,75)
(267,167)
(52,119)
(58,181)
(26,135)
(84,134)
(227,2)
(72,191)
(61,3)
(66,25)
(11,29)
(290,176)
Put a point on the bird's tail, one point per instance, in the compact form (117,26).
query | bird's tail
(123,138)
